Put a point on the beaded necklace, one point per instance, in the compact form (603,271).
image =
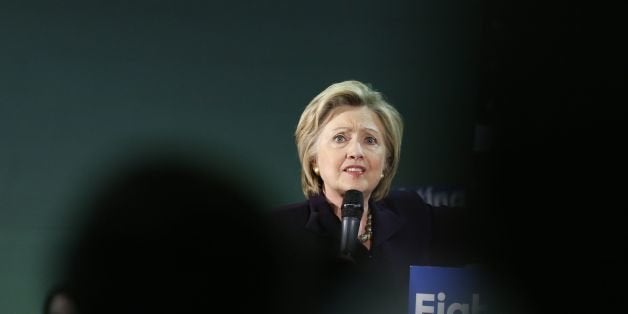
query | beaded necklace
(368,228)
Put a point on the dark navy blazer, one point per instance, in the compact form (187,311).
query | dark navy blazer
(406,231)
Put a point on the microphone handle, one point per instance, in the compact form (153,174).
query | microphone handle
(349,236)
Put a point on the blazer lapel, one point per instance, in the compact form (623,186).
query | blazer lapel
(322,220)
(386,223)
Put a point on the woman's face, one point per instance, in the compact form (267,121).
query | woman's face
(351,152)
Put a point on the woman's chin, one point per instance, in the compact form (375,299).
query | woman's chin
(360,187)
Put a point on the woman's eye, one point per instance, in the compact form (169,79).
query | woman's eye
(371,140)
(339,138)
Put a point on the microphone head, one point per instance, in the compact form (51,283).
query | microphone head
(352,204)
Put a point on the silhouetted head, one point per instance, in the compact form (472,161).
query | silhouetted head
(170,236)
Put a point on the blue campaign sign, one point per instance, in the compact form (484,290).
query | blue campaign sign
(447,290)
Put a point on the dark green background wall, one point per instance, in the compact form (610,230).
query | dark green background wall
(85,84)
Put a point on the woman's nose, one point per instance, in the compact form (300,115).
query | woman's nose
(355,150)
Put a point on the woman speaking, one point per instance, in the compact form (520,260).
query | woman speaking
(349,139)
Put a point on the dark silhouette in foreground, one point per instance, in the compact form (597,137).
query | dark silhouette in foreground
(171,236)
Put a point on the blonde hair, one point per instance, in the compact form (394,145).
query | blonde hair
(320,110)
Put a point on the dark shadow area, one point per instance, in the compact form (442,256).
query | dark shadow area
(553,91)
(169,235)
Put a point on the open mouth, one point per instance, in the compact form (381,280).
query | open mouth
(355,170)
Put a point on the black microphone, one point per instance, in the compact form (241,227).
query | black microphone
(351,211)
